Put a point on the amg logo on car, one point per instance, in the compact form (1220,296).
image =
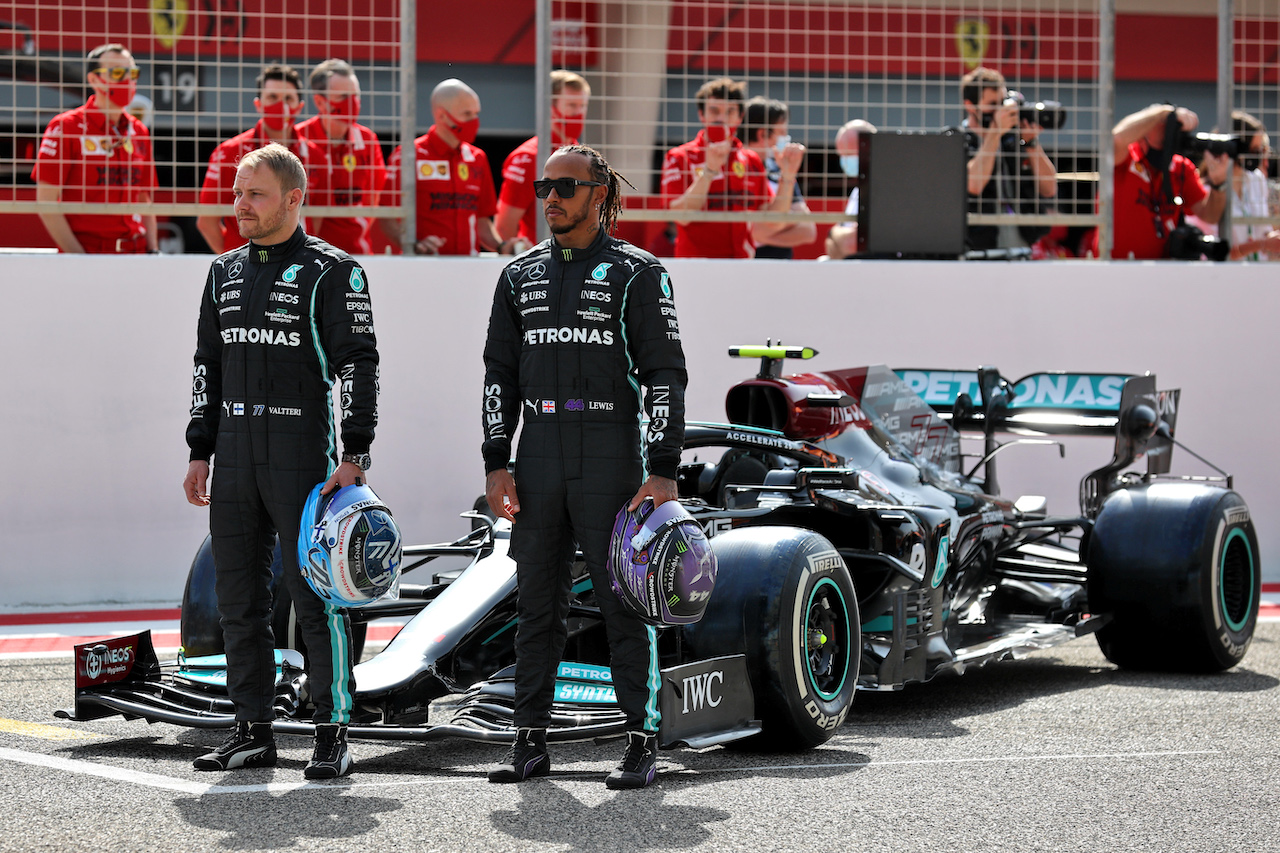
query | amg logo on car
(700,691)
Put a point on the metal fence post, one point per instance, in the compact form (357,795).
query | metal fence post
(1106,121)
(408,125)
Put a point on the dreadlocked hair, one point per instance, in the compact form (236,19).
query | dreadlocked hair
(604,173)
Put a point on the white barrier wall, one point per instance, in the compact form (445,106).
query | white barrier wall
(97,356)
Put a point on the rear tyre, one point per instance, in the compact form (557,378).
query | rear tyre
(1176,566)
(784,596)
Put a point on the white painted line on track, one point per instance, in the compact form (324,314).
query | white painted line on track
(183,786)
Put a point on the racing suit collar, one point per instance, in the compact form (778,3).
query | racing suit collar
(567,255)
(273,254)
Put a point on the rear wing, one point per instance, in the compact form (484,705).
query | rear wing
(1054,403)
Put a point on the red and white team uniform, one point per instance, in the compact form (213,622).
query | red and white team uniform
(454,191)
(519,171)
(741,185)
(221,176)
(357,174)
(97,163)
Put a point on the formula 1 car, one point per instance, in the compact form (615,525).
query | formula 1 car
(855,551)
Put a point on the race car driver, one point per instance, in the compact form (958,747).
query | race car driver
(579,324)
(282,318)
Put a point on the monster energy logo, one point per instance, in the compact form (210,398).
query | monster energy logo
(568,254)
(262,256)
(681,547)
(673,600)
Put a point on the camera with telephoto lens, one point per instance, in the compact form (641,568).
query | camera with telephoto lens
(1193,146)
(1050,115)
(1189,243)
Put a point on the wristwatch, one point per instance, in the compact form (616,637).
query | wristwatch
(361,460)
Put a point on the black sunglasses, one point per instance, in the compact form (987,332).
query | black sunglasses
(564,187)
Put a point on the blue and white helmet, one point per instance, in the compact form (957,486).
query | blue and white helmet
(349,546)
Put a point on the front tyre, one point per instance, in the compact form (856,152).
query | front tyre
(1177,567)
(785,597)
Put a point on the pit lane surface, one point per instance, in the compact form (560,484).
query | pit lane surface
(1059,751)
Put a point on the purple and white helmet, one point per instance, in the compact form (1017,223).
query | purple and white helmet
(661,564)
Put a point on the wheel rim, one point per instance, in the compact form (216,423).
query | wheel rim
(1235,580)
(828,643)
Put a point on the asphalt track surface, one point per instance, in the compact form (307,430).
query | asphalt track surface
(1058,751)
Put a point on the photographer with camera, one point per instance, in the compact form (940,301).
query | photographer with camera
(1248,147)
(1156,187)
(1008,171)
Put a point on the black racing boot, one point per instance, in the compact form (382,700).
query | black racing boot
(526,758)
(639,765)
(330,758)
(250,745)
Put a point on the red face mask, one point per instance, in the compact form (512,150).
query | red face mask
(348,108)
(572,125)
(279,116)
(122,94)
(465,130)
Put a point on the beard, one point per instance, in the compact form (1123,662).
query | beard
(570,222)
(264,225)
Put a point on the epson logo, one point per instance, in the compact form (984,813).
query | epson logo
(704,690)
(241,335)
(565,335)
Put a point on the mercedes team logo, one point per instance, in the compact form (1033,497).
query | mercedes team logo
(536,271)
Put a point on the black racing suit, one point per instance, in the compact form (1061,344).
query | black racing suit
(573,336)
(278,325)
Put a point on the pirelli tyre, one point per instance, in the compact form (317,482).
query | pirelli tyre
(1176,567)
(201,628)
(785,597)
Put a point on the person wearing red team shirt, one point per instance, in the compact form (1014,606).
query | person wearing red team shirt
(717,172)
(1146,214)
(517,212)
(99,154)
(455,196)
(355,157)
(278,103)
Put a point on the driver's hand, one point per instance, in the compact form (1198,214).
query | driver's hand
(500,494)
(661,489)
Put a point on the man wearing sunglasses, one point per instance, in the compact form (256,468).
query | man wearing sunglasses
(354,153)
(278,103)
(99,154)
(580,325)
(455,194)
